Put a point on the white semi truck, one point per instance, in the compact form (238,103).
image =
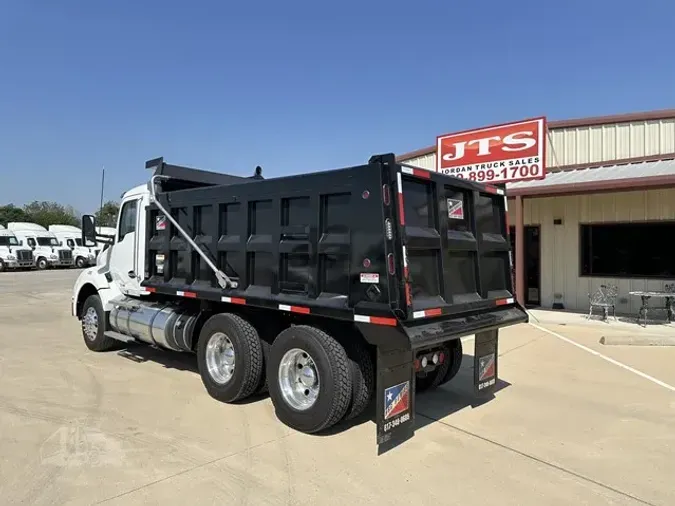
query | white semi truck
(71,237)
(12,254)
(46,249)
(329,290)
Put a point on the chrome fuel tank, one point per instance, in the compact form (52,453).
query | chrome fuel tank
(155,323)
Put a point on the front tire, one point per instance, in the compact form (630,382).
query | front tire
(230,357)
(80,263)
(42,263)
(2,265)
(309,379)
(93,326)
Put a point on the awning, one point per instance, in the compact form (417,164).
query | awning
(630,176)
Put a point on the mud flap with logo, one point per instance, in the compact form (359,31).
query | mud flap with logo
(485,362)
(395,398)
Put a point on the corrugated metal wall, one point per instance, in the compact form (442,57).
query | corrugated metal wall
(560,243)
(611,142)
(573,146)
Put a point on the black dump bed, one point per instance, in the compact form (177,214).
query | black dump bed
(377,243)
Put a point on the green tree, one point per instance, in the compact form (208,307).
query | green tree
(51,213)
(12,213)
(107,215)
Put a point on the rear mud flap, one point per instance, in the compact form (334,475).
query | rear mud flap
(485,363)
(395,410)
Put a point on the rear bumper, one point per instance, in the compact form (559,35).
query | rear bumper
(432,332)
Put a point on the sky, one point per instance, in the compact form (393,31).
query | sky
(298,86)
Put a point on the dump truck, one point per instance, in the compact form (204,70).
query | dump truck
(334,291)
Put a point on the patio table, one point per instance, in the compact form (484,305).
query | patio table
(646,295)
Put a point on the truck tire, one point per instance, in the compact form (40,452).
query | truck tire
(263,386)
(444,373)
(2,265)
(93,326)
(309,379)
(363,378)
(42,263)
(80,263)
(230,357)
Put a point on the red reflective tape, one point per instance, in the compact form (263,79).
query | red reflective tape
(491,189)
(408,294)
(150,289)
(191,295)
(504,302)
(433,312)
(294,309)
(417,172)
(401,214)
(378,320)
(234,300)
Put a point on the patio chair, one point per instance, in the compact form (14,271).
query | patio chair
(605,298)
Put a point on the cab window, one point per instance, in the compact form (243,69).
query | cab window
(128,219)
(70,243)
(31,242)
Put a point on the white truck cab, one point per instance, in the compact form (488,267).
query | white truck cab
(119,266)
(12,254)
(46,249)
(71,237)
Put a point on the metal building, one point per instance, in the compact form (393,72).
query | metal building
(604,214)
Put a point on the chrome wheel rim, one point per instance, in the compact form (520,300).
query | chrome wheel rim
(299,379)
(90,323)
(220,358)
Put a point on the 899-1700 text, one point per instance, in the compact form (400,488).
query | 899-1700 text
(504,174)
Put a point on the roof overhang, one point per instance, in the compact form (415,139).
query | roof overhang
(614,178)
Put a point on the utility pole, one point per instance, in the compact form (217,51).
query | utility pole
(100,212)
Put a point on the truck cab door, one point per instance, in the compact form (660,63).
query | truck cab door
(127,258)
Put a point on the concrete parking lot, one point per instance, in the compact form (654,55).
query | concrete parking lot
(574,422)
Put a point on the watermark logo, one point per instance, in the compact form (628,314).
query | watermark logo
(77,445)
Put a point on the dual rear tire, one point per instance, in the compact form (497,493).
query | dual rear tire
(314,382)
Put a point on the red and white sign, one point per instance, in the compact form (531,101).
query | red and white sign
(497,154)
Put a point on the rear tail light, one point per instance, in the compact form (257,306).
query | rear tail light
(389,229)
(386,197)
(391,264)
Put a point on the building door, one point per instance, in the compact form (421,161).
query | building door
(532,263)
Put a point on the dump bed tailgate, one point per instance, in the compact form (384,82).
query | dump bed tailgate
(456,256)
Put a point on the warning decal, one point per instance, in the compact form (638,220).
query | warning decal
(160,222)
(455,209)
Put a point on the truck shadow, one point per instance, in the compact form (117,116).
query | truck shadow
(432,406)
(452,397)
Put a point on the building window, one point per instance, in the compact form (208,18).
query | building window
(628,250)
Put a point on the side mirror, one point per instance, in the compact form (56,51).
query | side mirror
(60,243)
(88,230)
(20,242)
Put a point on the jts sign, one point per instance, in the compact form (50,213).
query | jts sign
(499,154)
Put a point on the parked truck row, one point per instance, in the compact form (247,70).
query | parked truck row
(25,246)
(331,290)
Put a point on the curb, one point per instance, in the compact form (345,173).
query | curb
(638,340)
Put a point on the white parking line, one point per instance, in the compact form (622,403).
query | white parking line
(610,360)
